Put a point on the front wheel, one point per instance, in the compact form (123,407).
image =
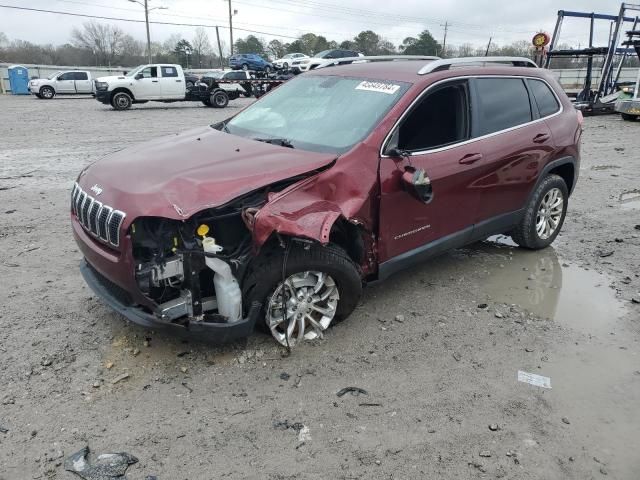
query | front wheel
(121,101)
(285,66)
(628,117)
(245,67)
(267,70)
(544,214)
(322,284)
(47,93)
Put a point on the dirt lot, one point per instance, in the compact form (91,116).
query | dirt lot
(443,396)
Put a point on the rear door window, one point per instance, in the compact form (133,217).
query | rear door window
(169,72)
(545,99)
(502,103)
(81,76)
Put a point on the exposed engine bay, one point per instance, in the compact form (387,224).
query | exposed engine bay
(193,269)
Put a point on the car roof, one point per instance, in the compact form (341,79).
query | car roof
(407,71)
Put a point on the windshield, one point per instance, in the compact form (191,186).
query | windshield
(52,76)
(133,72)
(319,113)
(289,55)
(322,53)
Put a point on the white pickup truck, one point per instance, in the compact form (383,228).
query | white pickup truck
(158,83)
(70,82)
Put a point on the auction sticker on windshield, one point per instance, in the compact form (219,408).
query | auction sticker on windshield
(379,87)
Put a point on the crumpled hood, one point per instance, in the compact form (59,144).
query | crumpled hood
(179,175)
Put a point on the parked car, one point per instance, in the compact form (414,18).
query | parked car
(306,64)
(70,82)
(287,60)
(628,103)
(190,80)
(279,214)
(234,90)
(250,61)
(155,82)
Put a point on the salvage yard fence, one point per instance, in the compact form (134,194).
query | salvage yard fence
(571,79)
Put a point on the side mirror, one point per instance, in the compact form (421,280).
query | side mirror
(416,182)
(139,76)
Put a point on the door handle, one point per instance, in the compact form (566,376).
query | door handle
(541,138)
(154,81)
(471,158)
(179,81)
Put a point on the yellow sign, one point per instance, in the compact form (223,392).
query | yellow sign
(541,40)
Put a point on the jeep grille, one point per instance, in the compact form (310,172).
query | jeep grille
(102,221)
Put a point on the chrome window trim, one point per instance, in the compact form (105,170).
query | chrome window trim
(470,140)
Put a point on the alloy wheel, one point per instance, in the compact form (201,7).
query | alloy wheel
(311,301)
(549,213)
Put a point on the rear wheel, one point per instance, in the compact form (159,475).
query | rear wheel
(245,67)
(121,101)
(47,93)
(267,70)
(285,66)
(189,84)
(544,214)
(219,99)
(628,117)
(322,284)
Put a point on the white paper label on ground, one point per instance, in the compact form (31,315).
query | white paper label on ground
(533,379)
(380,87)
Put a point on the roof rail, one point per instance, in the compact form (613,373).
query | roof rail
(373,58)
(444,64)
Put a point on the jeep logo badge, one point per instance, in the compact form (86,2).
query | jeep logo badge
(96,189)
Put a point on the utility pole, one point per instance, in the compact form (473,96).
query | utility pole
(444,41)
(219,46)
(230,27)
(146,21)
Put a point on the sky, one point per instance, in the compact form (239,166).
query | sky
(470,21)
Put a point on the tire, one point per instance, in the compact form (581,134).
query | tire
(247,94)
(219,99)
(206,102)
(189,84)
(47,93)
(628,117)
(267,70)
(285,66)
(121,101)
(265,277)
(526,234)
(38,96)
(245,67)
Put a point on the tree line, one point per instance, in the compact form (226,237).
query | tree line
(102,44)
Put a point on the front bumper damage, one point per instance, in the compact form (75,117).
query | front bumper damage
(118,299)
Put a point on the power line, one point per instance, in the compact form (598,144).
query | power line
(117,19)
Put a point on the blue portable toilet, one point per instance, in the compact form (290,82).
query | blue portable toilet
(19,80)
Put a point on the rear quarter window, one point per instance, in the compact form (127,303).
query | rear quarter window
(544,97)
(502,103)
(169,72)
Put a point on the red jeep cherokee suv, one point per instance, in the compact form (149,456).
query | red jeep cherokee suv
(339,177)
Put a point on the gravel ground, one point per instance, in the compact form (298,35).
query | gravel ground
(436,348)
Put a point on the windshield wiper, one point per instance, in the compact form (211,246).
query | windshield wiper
(283,142)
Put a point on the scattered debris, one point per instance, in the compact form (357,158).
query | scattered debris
(285,376)
(635,299)
(183,353)
(565,420)
(184,384)
(456,356)
(494,427)
(483,306)
(533,379)
(46,361)
(485,453)
(304,434)
(119,378)
(4,430)
(370,404)
(528,350)
(499,315)
(136,352)
(399,318)
(478,466)
(605,253)
(353,390)
(108,466)
(183,369)
(108,365)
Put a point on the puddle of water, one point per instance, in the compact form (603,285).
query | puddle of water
(537,281)
(595,381)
